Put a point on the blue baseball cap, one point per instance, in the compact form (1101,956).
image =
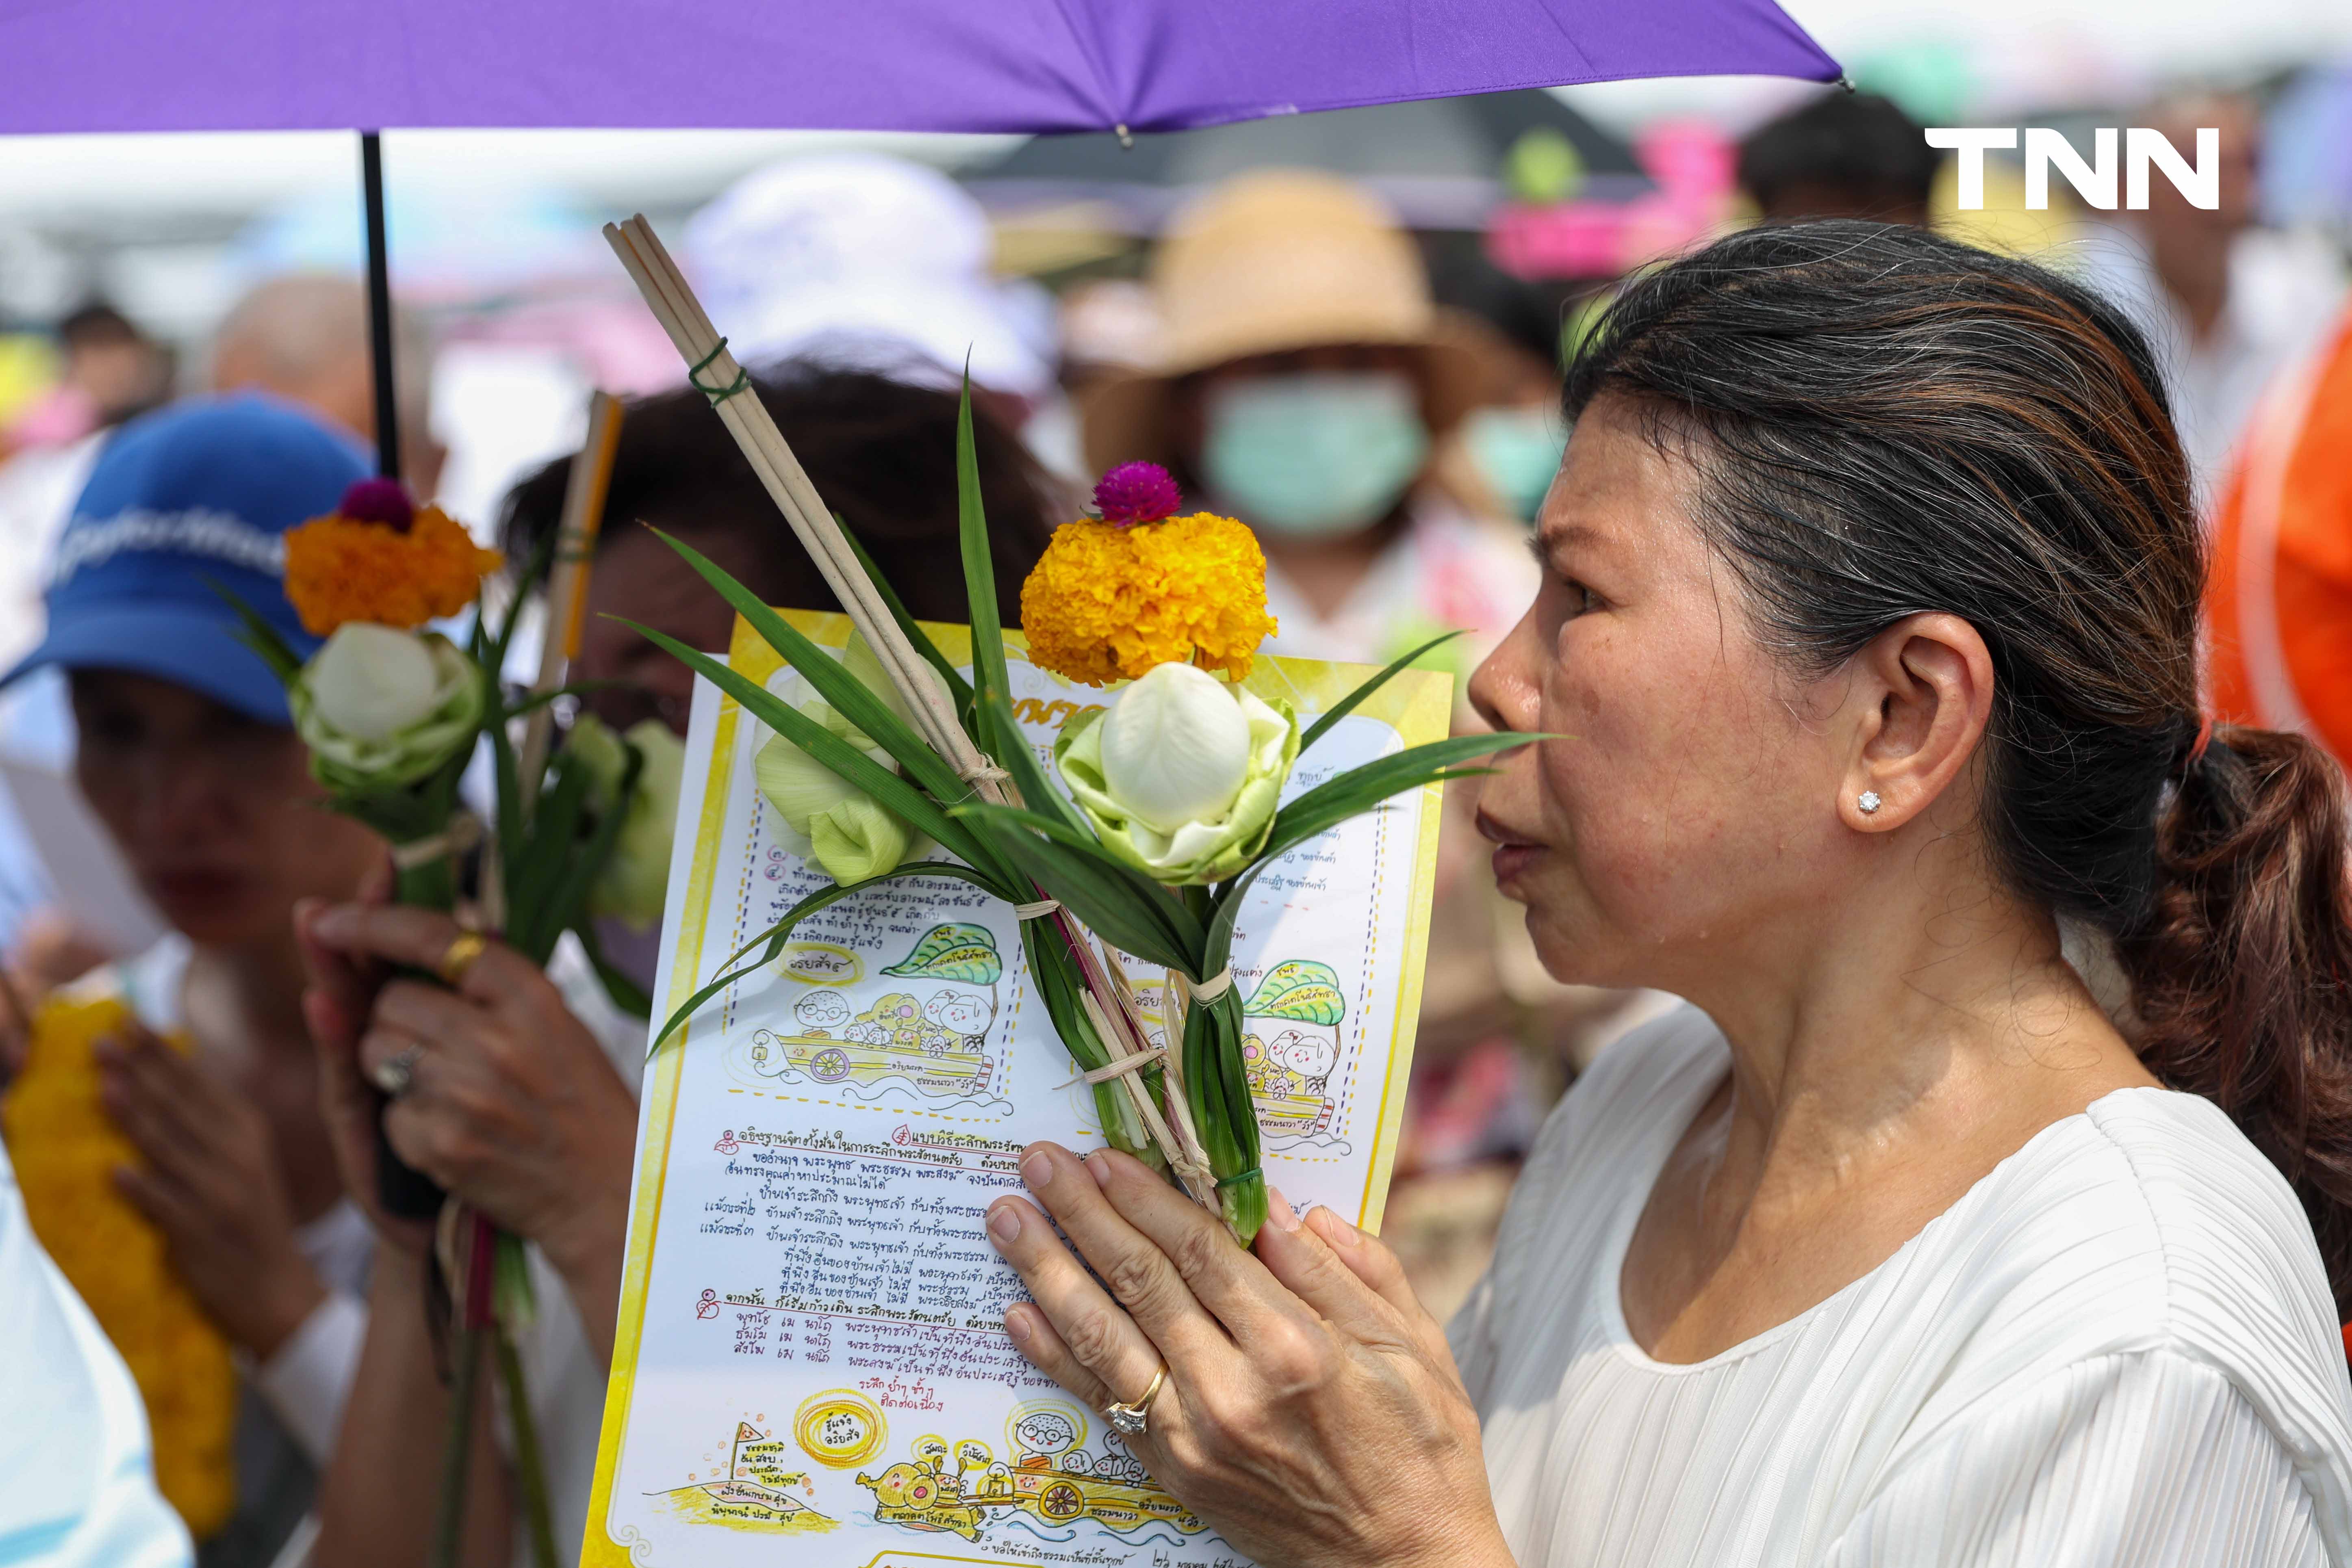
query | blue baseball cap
(181,506)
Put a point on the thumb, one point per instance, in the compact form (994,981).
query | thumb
(1367,1257)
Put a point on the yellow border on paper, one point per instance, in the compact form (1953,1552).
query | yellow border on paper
(1418,704)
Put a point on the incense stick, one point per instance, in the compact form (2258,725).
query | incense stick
(567,582)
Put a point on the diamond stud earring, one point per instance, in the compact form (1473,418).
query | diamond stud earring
(1869,802)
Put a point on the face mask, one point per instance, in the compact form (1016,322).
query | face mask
(1516,451)
(1313,456)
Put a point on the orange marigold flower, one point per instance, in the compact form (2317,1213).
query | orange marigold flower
(342,569)
(1106,603)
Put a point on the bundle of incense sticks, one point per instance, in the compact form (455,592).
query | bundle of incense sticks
(717,376)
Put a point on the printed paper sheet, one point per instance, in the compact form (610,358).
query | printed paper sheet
(812,1367)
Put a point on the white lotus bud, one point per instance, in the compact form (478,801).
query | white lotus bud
(373,681)
(1175,747)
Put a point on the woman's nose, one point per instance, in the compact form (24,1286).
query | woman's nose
(1506,690)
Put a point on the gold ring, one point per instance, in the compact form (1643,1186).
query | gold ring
(460,957)
(1131,1419)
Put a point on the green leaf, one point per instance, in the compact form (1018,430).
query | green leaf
(772,938)
(1148,898)
(1359,789)
(979,569)
(262,638)
(830,749)
(534,576)
(1084,885)
(833,682)
(535,865)
(564,899)
(1347,704)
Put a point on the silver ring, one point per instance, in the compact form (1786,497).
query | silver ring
(1130,1419)
(396,1074)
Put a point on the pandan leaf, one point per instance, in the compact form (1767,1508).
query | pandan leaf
(953,951)
(1347,704)
(865,711)
(852,764)
(262,638)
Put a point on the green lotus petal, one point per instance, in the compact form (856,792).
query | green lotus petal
(1197,852)
(349,765)
(857,838)
(635,878)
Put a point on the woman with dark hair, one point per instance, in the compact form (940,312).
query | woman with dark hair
(1864,677)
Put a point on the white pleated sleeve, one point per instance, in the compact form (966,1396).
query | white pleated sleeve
(2147,1459)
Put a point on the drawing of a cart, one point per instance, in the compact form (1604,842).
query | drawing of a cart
(919,1498)
(935,1041)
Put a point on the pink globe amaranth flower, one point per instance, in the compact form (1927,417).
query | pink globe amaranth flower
(1137,492)
(378,500)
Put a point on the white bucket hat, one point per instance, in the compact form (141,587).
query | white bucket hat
(868,260)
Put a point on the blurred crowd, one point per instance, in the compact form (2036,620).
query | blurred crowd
(1364,376)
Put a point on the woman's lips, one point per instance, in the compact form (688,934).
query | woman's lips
(1513,854)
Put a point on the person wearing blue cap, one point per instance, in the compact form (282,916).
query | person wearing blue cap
(185,752)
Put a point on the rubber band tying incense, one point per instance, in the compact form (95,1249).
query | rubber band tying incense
(1239,1176)
(717,394)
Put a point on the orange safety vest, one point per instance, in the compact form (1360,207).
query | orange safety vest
(2278,599)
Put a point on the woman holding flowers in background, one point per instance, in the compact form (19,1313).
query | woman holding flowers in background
(1863,684)
(508,1101)
(165,1123)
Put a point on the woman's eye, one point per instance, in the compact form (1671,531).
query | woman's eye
(1581,600)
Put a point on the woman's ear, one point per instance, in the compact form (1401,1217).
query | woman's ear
(1924,690)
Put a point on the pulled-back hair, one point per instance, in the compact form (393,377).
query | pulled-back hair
(1884,423)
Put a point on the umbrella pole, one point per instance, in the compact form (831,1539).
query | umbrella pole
(379,270)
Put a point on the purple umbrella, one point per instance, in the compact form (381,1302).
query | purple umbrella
(871,65)
(874,65)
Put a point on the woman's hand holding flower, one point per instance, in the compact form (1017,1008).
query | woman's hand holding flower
(512,1105)
(1312,1412)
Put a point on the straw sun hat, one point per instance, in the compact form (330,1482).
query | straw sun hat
(1276,261)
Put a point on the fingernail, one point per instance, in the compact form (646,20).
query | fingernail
(1003,1223)
(1037,1170)
(1098,1167)
(334,924)
(1337,1231)
(1278,1209)
(1016,1323)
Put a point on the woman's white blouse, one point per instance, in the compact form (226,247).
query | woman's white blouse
(2117,1348)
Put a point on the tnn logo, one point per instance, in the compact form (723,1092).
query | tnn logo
(2096,181)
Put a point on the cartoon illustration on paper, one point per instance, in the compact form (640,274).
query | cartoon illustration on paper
(750,1486)
(1051,1478)
(928,1034)
(1290,1049)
